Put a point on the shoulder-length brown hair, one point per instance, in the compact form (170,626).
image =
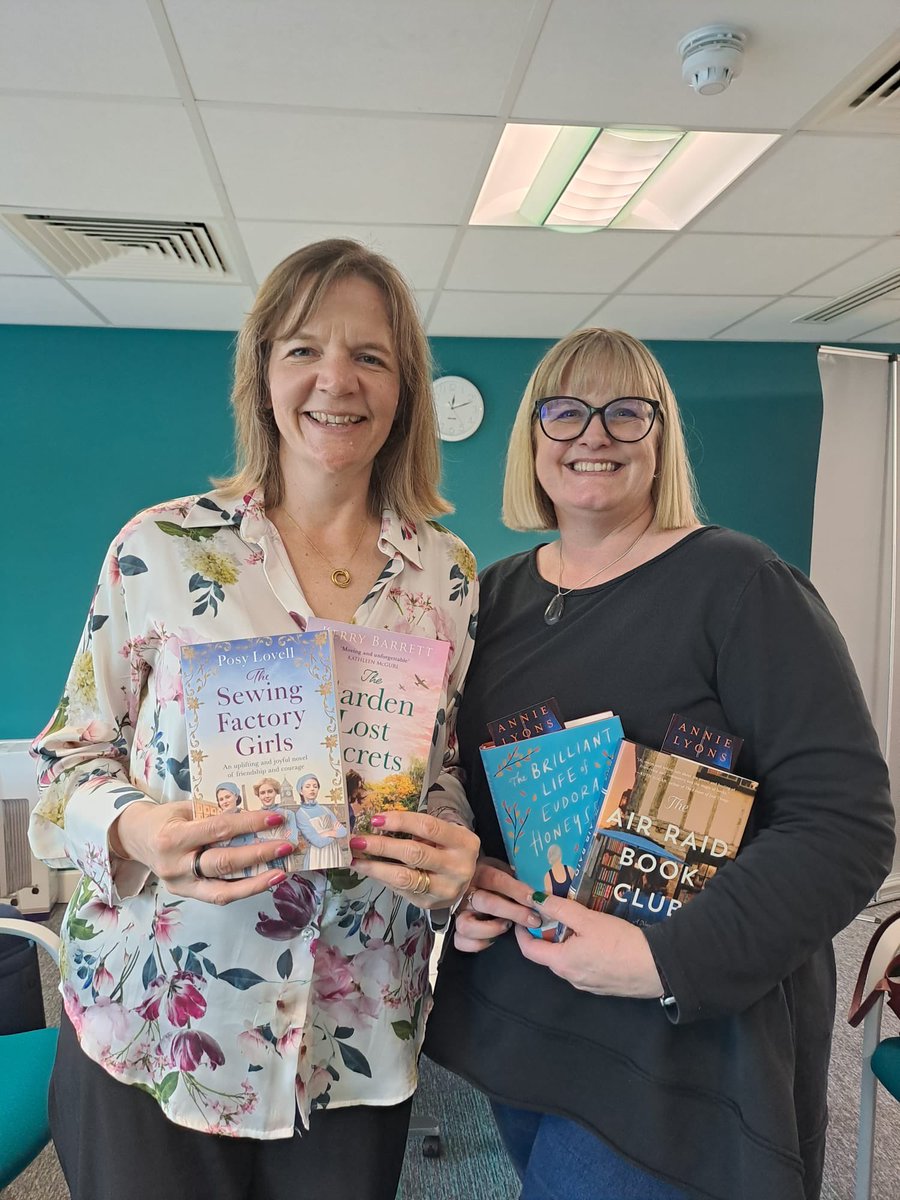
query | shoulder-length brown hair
(406,472)
(629,369)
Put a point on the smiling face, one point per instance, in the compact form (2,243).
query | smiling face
(335,384)
(267,795)
(226,799)
(595,474)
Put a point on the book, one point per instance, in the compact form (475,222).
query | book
(547,792)
(526,723)
(694,739)
(666,826)
(262,726)
(389,688)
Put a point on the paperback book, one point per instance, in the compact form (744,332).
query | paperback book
(262,726)
(526,723)
(693,739)
(547,792)
(666,826)
(389,688)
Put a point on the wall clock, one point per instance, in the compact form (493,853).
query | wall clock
(459,407)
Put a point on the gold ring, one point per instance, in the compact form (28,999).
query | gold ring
(423,884)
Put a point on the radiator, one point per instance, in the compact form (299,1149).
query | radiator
(25,882)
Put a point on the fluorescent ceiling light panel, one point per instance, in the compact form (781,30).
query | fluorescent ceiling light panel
(581,178)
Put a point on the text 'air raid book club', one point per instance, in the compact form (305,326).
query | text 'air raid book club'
(547,792)
(262,724)
(666,826)
(389,688)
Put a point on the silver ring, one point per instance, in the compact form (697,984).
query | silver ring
(470,901)
(196,869)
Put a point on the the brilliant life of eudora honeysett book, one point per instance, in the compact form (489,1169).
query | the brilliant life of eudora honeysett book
(262,717)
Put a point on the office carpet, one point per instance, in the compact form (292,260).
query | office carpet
(473,1166)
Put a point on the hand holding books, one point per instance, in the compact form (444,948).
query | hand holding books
(601,954)
(187,856)
(495,901)
(431,865)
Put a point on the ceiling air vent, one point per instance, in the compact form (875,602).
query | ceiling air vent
(868,103)
(118,248)
(851,300)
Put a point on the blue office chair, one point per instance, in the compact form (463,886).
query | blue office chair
(879,980)
(26,1058)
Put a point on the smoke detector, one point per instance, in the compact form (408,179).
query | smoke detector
(711,57)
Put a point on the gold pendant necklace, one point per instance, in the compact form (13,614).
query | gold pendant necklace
(340,576)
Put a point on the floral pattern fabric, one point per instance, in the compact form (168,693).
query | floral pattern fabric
(311,995)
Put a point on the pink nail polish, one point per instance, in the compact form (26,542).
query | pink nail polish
(276,879)
(377,821)
(273,819)
(284,849)
(357,843)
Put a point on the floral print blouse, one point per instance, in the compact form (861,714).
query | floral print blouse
(312,994)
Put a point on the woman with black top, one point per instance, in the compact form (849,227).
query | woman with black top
(688,1058)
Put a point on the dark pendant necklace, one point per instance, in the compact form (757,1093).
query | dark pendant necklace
(553,613)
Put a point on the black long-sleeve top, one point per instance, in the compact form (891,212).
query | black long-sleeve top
(725,1094)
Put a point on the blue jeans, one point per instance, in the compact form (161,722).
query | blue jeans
(557,1159)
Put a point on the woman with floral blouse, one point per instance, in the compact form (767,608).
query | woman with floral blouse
(283,1011)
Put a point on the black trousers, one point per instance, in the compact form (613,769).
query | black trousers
(114,1141)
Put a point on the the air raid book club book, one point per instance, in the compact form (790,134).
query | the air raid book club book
(262,725)
(547,791)
(666,826)
(389,687)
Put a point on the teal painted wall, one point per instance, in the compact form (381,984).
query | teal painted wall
(98,423)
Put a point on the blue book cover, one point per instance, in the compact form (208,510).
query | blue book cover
(547,792)
(263,734)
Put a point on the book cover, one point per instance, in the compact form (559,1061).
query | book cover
(262,730)
(389,688)
(527,723)
(665,827)
(694,739)
(547,792)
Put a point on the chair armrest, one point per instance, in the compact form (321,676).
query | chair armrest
(34,932)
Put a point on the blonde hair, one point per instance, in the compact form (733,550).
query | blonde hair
(262,783)
(628,368)
(406,472)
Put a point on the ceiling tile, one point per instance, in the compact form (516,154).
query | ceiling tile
(419,251)
(507,314)
(815,183)
(16,260)
(157,305)
(688,317)
(297,166)
(397,55)
(101,156)
(541,260)
(880,260)
(105,47)
(774,324)
(711,264)
(885,334)
(618,63)
(38,301)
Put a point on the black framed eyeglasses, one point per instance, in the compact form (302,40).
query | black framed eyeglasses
(626,419)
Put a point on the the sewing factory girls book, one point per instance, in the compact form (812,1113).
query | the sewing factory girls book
(389,688)
(547,792)
(262,726)
(666,826)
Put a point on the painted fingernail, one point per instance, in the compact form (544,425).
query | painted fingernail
(273,819)
(539,897)
(284,849)
(377,821)
(357,843)
(278,877)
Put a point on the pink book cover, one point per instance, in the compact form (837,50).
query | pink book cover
(389,687)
